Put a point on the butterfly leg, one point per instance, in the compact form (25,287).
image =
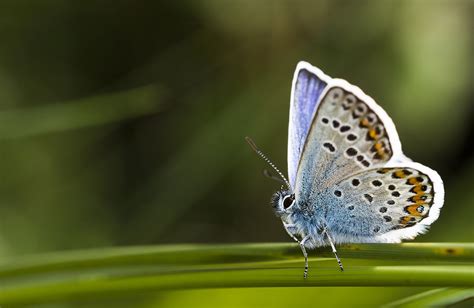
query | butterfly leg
(303,249)
(287,229)
(334,249)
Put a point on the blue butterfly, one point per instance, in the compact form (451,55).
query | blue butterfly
(348,179)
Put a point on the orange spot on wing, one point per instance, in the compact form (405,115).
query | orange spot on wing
(418,189)
(413,210)
(364,122)
(405,220)
(399,174)
(378,146)
(402,173)
(372,133)
(418,198)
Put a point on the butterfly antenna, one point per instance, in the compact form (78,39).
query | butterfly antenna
(265,158)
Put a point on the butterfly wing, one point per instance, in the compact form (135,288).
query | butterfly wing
(308,84)
(350,135)
(385,204)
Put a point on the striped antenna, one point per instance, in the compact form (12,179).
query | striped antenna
(265,158)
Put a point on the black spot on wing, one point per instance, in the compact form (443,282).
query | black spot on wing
(351,151)
(331,148)
(376,183)
(344,128)
(351,137)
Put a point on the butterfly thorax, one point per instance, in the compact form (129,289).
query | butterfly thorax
(299,217)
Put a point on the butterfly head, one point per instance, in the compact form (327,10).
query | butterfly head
(283,202)
(284,199)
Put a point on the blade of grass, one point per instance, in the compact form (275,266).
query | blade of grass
(177,267)
(189,254)
(441,297)
(79,113)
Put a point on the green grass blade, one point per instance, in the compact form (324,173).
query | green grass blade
(90,111)
(441,297)
(178,267)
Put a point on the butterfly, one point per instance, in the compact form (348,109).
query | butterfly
(348,179)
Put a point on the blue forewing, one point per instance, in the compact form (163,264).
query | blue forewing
(305,97)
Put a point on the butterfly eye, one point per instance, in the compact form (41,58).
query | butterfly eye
(288,201)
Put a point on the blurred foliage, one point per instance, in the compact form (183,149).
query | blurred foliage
(122,122)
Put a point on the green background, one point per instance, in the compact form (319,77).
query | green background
(123,122)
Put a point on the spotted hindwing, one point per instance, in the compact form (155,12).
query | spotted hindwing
(376,203)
